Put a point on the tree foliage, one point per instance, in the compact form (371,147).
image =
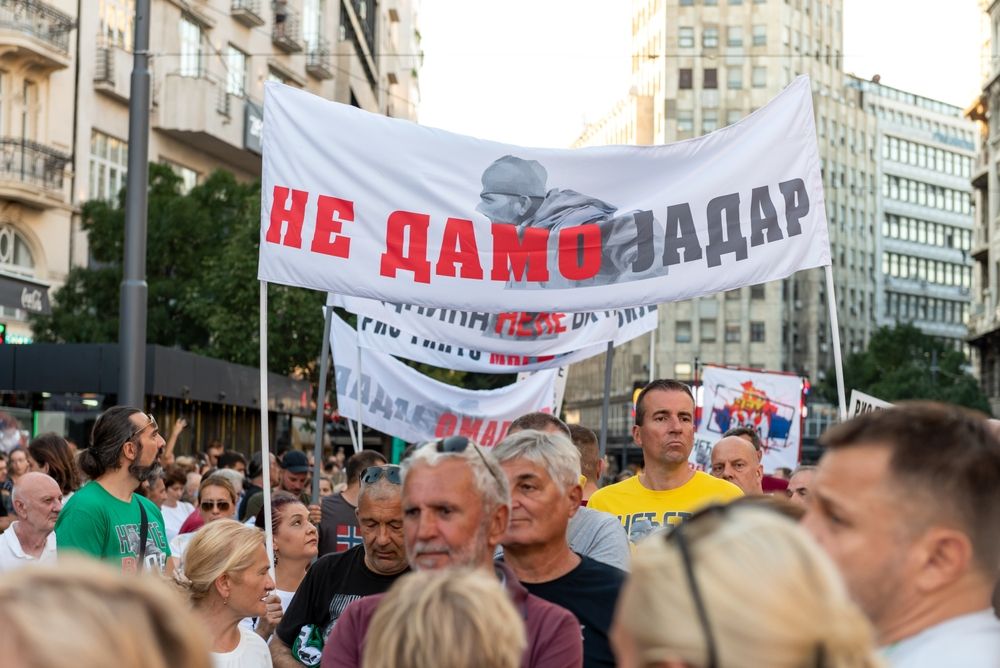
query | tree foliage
(201,271)
(902,363)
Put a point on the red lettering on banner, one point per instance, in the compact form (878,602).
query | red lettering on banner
(489,436)
(395,257)
(458,246)
(330,213)
(512,255)
(470,427)
(557,322)
(293,217)
(573,240)
(445,426)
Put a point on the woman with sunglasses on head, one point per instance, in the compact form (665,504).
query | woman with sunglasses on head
(296,545)
(226,578)
(735,586)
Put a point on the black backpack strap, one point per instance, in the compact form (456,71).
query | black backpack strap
(143,534)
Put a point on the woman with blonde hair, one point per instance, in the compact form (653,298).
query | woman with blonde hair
(734,586)
(84,614)
(226,578)
(445,619)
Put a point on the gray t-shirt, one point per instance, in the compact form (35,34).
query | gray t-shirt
(969,641)
(600,536)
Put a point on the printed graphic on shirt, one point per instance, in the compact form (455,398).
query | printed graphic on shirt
(347,537)
(308,645)
(128,546)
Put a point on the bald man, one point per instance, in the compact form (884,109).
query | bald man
(37,501)
(735,459)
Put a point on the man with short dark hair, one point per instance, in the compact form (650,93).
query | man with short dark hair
(339,529)
(105,518)
(255,479)
(667,490)
(335,580)
(31,538)
(293,478)
(591,464)
(907,502)
(543,471)
(539,421)
(230,459)
(456,507)
(799,484)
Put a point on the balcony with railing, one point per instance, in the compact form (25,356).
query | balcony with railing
(286,34)
(318,61)
(32,173)
(247,12)
(113,72)
(36,32)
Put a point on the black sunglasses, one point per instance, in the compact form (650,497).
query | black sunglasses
(373,473)
(461,444)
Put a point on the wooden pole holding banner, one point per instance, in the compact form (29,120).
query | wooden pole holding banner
(324,365)
(838,363)
(265,443)
(606,405)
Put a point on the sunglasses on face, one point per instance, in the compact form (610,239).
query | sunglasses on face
(150,421)
(223,506)
(461,444)
(373,473)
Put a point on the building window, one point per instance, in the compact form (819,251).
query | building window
(682,371)
(312,20)
(108,165)
(759,76)
(685,78)
(15,255)
(687,3)
(236,71)
(733,333)
(711,78)
(191,62)
(685,121)
(708,331)
(734,80)
(115,23)
(756,332)
(733,295)
(709,120)
(685,37)
(760,35)
(710,38)
(682,333)
(757,291)
(733,115)
(189,177)
(734,36)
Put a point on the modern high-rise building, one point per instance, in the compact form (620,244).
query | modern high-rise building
(64,95)
(708,63)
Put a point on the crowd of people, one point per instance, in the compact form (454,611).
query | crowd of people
(886,553)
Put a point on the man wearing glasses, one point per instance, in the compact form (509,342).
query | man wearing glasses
(337,579)
(105,519)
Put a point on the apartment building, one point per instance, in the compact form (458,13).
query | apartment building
(64,94)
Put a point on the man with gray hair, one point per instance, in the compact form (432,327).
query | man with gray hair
(544,474)
(340,578)
(37,501)
(799,483)
(456,506)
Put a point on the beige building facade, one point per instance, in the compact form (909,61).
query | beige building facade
(65,86)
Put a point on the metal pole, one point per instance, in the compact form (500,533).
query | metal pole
(265,442)
(838,363)
(132,308)
(324,365)
(360,425)
(606,406)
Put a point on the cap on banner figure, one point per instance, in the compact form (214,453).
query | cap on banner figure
(514,192)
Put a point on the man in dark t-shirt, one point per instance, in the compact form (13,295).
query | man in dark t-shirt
(340,578)
(544,474)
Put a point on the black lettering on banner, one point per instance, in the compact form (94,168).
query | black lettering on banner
(718,243)
(763,217)
(796,204)
(680,234)
(478,320)
(402,408)
(643,240)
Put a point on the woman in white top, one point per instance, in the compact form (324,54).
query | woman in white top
(226,578)
(296,544)
(174,510)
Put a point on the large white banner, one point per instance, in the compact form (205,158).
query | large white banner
(480,342)
(400,401)
(770,403)
(365,205)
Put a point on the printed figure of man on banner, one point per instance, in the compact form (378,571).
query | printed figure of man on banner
(514,193)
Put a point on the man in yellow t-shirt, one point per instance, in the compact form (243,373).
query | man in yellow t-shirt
(667,490)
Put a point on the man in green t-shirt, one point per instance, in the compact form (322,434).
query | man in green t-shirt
(104,518)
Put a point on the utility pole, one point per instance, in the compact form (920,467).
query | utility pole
(132,307)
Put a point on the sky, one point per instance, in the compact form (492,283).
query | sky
(533,72)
